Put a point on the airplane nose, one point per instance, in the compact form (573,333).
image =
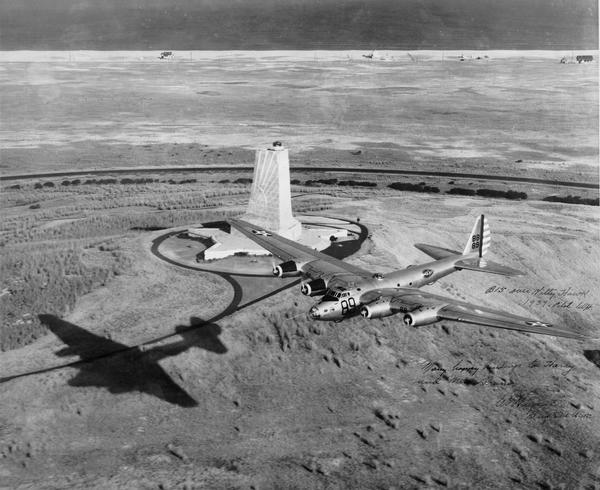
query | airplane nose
(314,313)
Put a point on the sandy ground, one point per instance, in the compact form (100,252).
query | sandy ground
(526,114)
(281,402)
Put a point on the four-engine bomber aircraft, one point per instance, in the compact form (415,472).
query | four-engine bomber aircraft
(347,290)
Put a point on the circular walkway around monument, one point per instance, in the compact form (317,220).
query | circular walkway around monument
(177,247)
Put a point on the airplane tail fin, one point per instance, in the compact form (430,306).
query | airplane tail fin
(479,243)
(479,239)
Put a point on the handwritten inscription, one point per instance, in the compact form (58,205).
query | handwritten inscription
(466,373)
(503,374)
(550,297)
(535,408)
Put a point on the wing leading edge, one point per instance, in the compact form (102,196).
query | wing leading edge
(497,319)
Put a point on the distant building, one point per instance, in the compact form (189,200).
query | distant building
(584,58)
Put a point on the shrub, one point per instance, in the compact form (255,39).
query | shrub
(503,194)
(407,186)
(243,180)
(573,200)
(515,195)
(461,191)
(321,181)
(357,183)
(490,193)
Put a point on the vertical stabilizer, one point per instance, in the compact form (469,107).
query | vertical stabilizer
(480,238)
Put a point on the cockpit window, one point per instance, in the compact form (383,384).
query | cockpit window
(332,295)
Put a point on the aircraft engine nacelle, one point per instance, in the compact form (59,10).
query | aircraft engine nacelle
(378,309)
(422,316)
(314,288)
(286,269)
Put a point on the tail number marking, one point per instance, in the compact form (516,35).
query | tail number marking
(475,242)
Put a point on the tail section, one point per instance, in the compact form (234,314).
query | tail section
(480,238)
(483,265)
(436,253)
(472,256)
(479,243)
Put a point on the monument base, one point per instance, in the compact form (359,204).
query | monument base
(291,229)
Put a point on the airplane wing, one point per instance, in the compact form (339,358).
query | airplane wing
(315,263)
(407,299)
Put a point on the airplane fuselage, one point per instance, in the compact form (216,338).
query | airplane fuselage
(340,302)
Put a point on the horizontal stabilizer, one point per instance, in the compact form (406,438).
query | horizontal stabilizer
(436,252)
(483,265)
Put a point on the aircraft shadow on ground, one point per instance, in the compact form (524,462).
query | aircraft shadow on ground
(593,356)
(121,368)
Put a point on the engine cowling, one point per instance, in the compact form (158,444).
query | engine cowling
(385,306)
(423,315)
(378,309)
(314,288)
(286,269)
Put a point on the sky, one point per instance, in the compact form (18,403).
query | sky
(297,24)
